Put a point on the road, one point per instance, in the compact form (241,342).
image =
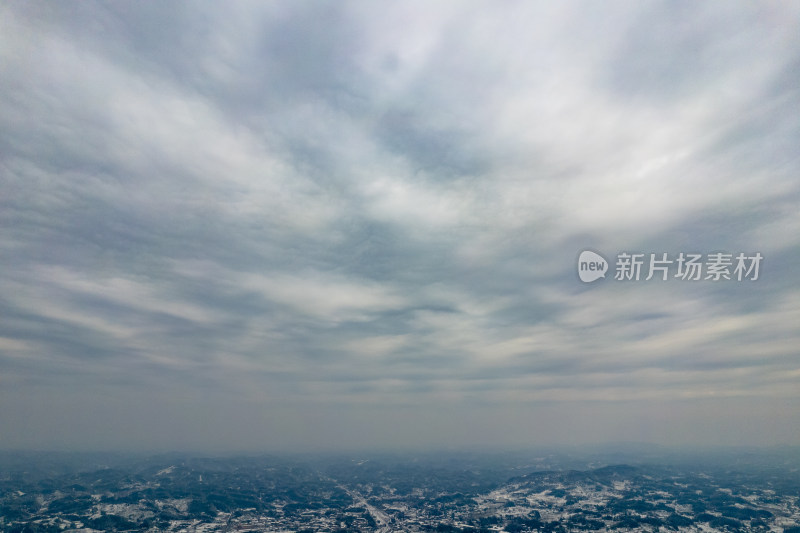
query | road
(381,518)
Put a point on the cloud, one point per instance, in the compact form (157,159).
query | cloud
(371,216)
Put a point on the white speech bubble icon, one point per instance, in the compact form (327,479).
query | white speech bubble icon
(591,266)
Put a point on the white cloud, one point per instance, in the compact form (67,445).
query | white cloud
(386,211)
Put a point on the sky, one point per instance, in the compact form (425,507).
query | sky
(282,226)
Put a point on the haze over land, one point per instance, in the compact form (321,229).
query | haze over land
(299,226)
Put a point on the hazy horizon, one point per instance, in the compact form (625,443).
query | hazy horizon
(555,456)
(296,226)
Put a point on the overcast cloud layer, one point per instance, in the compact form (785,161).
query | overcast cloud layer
(296,225)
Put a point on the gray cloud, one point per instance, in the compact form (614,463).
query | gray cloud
(341,225)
